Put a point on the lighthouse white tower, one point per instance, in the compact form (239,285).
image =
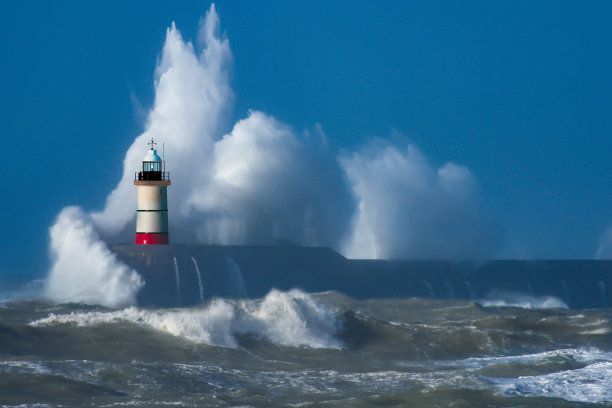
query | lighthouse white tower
(152,214)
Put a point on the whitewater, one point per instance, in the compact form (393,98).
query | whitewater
(292,348)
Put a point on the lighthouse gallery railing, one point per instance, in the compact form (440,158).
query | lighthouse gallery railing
(152,175)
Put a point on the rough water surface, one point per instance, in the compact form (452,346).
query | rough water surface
(298,349)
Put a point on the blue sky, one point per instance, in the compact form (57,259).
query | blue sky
(518,93)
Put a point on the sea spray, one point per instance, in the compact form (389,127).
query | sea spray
(84,269)
(236,280)
(197,269)
(287,318)
(407,208)
(178,281)
(251,185)
(255,183)
(193,103)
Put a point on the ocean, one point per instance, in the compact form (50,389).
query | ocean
(298,349)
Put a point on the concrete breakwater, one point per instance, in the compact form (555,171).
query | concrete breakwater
(183,275)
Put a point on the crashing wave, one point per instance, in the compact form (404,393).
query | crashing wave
(520,300)
(290,318)
(588,384)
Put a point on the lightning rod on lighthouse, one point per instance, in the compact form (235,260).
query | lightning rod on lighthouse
(152,213)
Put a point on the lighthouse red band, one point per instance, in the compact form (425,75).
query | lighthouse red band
(151,239)
(152,214)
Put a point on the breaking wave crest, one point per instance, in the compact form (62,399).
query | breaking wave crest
(588,382)
(84,269)
(523,301)
(290,318)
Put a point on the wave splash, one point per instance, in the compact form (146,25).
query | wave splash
(588,384)
(84,269)
(584,384)
(521,300)
(290,318)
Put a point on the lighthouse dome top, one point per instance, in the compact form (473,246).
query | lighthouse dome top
(152,156)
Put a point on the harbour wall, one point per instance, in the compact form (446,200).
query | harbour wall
(183,275)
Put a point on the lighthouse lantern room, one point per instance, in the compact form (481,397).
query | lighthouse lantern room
(152,213)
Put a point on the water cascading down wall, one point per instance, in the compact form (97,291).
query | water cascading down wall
(182,275)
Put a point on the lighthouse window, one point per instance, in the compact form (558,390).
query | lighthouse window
(151,166)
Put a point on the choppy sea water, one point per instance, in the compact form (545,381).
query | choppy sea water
(299,349)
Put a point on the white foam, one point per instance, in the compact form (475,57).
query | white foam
(586,355)
(596,332)
(521,300)
(18,366)
(588,384)
(84,269)
(287,318)
(291,318)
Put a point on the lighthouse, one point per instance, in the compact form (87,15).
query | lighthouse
(152,213)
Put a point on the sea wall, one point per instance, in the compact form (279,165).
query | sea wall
(182,275)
